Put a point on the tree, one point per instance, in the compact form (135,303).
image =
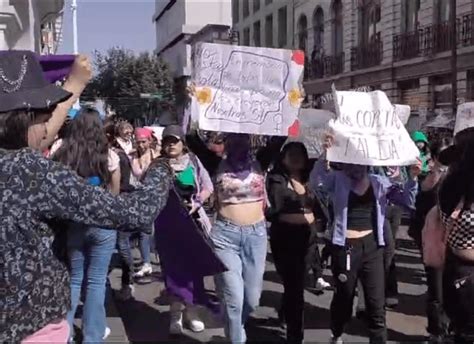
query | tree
(121,76)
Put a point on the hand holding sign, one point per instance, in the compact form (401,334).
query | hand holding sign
(368,131)
(247,90)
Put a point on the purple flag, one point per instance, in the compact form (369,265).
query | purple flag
(185,253)
(56,67)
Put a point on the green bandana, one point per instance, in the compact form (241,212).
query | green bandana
(186,177)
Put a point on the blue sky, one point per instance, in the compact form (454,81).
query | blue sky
(103,24)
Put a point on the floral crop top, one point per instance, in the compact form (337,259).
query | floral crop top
(239,187)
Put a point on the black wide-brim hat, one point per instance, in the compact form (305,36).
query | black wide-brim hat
(23,85)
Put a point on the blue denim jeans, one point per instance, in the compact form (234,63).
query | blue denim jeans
(145,247)
(243,249)
(90,251)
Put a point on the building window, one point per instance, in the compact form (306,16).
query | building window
(269,31)
(442,10)
(302,32)
(246,40)
(410,12)
(318,29)
(256,6)
(235,11)
(246,9)
(256,34)
(337,27)
(369,19)
(268,2)
(282,27)
(470,85)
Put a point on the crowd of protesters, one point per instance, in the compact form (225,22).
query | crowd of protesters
(75,186)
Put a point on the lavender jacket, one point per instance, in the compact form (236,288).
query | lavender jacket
(337,184)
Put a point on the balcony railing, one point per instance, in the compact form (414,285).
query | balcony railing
(325,66)
(368,55)
(334,65)
(434,39)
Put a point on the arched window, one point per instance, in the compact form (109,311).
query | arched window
(369,19)
(337,28)
(318,29)
(302,32)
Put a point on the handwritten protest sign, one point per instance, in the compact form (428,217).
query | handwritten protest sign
(246,89)
(403,112)
(313,127)
(368,132)
(464,117)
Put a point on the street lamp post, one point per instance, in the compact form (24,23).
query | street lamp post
(454,56)
(74,26)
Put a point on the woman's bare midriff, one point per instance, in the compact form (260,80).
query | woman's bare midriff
(464,254)
(297,219)
(243,214)
(357,234)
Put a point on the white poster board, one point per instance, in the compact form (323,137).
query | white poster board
(403,112)
(313,128)
(246,89)
(368,132)
(464,117)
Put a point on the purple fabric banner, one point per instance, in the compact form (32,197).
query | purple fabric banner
(186,255)
(56,67)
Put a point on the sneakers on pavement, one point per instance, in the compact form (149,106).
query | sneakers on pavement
(337,340)
(146,270)
(193,321)
(107,333)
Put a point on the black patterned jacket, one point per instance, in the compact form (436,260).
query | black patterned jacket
(34,283)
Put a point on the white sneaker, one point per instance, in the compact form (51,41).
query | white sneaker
(337,340)
(126,293)
(192,320)
(146,270)
(196,325)
(176,323)
(321,284)
(107,333)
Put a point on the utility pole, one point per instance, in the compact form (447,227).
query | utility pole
(454,56)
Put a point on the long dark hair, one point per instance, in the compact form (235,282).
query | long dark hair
(459,183)
(14,129)
(85,148)
(280,167)
(439,145)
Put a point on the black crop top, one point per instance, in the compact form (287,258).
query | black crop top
(284,200)
(361,211)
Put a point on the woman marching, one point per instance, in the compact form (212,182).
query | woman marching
(35,295)
(239,233)
(294,213)
(360,200)
(194,186)
(456,203)
(426,199)
(85,150)
(140,161)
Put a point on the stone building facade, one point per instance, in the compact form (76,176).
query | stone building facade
(400,46)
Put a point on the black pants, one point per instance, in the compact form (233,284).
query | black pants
(458,295)
(388,254)
(290,244)
(394,217)
(313,256)
(126,258)
(366,263)
(438,322)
